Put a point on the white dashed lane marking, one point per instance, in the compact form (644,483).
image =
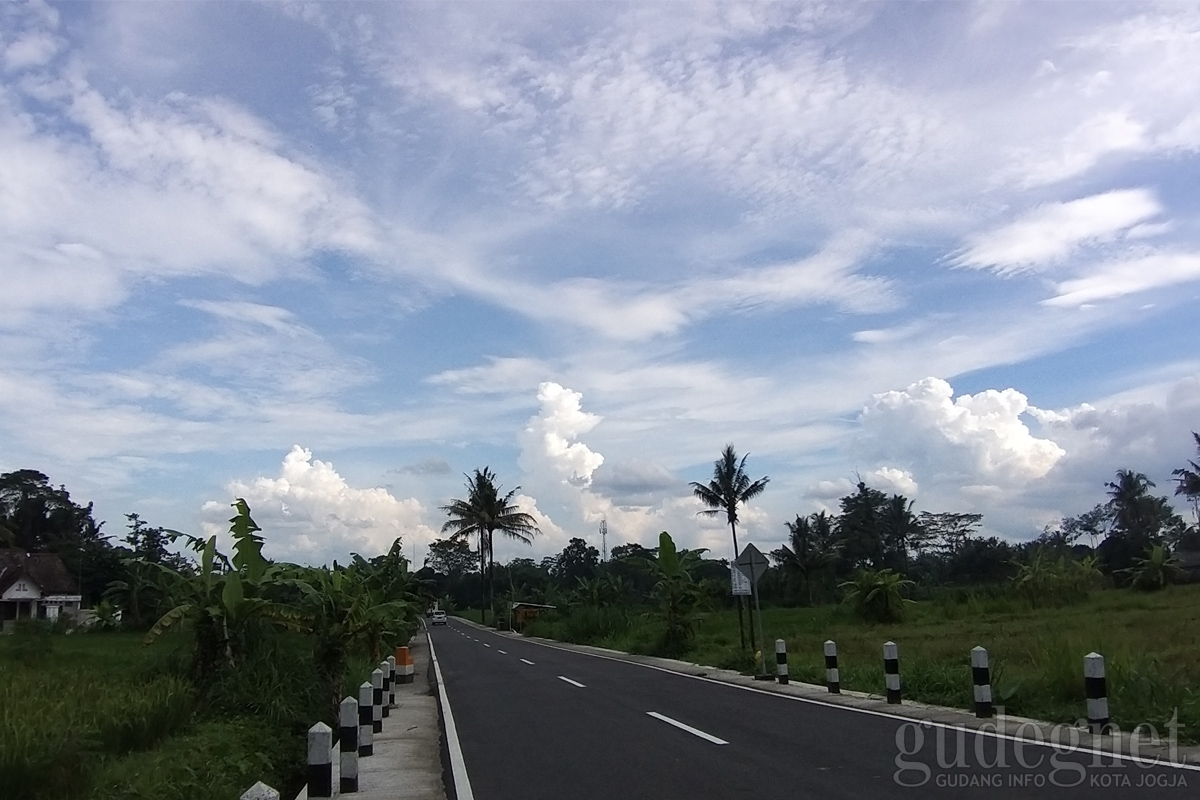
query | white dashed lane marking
(694,731)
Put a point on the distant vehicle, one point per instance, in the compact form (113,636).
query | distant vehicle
(439,617)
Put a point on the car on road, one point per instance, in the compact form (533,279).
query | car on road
(439,618)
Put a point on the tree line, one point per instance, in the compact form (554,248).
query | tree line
(1133,532)
(1128,539)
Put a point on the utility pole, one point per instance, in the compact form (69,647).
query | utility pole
(604,540)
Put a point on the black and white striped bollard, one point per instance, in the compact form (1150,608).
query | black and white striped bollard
(384,700)
(392,670)
(366,736)
(1097,692)
(377,701)
(833,680)
(891,672)
(981,677)
(348,745)
(781,668)
(320,760)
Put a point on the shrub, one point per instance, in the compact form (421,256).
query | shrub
(32,641)
(1156,570)
(878,595)
(1057,582)
(593,625)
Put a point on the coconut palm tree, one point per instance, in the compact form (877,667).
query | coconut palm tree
(1131,504)
(729,487)
(806,552)
(900,526)
(1187,481)
(484,513)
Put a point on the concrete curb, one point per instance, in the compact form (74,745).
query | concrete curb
(1068,737)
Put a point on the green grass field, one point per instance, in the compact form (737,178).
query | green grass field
(1151,643)
(100,716)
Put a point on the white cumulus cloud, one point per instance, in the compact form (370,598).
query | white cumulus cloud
(980,438)
(890,479)
(310,514)
(549,438)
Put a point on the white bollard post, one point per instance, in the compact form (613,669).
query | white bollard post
(366,727)
(781,667)
(833,679)
(320,760)
(1096,687)
(392,671)
(260,791)
(348,745)
(891,671)
(377,701)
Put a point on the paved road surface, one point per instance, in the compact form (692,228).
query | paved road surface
(541,722)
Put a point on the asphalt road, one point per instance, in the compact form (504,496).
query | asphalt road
(541,722)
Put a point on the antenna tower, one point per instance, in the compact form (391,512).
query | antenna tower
(604,539)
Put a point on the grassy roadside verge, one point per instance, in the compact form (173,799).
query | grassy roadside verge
(1151,643)
(100,716)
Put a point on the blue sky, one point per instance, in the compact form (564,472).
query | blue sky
(331,256)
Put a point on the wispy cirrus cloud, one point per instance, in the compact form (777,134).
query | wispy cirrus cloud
(625,310)
(1051,233)
(1129,276)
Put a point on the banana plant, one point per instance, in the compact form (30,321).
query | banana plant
(225,597)
(389,577)
(134,594)
(1155,571)
(341,610)
(676,591)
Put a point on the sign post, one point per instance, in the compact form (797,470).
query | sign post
(753,563)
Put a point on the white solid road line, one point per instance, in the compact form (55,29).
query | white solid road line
(458,765)
(573,683)
(695,732)
(527,661)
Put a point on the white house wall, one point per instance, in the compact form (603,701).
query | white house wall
(23,589)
